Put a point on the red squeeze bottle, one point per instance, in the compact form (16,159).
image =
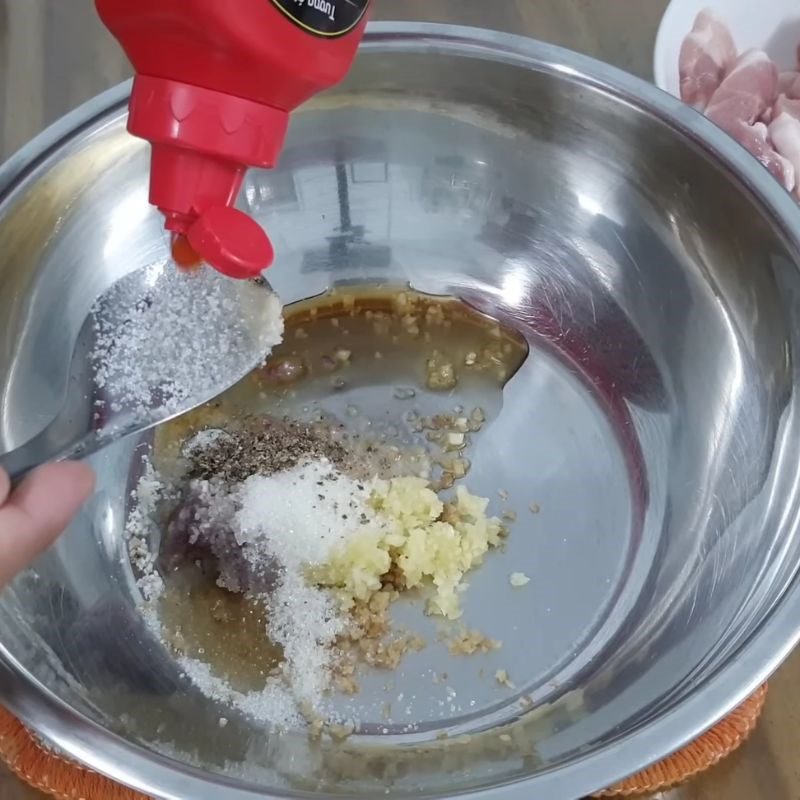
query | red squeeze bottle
(215,83)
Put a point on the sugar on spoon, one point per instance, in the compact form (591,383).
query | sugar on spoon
(158,343)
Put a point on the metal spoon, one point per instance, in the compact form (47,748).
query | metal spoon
(158,343)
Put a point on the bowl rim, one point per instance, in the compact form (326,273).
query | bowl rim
(159,776)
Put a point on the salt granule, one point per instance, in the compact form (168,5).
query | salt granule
(204,439)
(184,342)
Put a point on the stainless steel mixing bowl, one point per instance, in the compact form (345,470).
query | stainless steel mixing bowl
(654,268)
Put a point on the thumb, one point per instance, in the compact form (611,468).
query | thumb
(37,511)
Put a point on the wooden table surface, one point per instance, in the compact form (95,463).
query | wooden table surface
(54,54)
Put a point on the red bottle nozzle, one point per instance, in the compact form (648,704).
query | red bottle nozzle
(203,142)
(231,241)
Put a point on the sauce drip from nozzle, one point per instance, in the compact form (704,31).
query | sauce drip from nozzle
(183,254)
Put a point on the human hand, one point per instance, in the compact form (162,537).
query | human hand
(37,511)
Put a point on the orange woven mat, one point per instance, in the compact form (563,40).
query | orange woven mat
(698,756)
(66,780)
(49,772)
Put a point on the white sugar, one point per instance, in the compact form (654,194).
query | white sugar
(297,517)
(147,495)
(167,339)
(274,704)
(301,514)
(305,622)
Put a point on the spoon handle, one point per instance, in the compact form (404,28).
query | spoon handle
(50,445)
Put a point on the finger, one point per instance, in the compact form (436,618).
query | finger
(5,486)
(37,511)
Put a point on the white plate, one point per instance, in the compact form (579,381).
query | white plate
(771,25)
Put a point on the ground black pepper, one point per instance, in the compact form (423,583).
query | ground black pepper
(262,447)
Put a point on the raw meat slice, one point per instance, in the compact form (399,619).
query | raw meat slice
(784,131)
(706,54)
(755,138)
(746,92)
(745,96)
(789,84)
(786,105)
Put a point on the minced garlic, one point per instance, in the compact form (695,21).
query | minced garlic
(419,539)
